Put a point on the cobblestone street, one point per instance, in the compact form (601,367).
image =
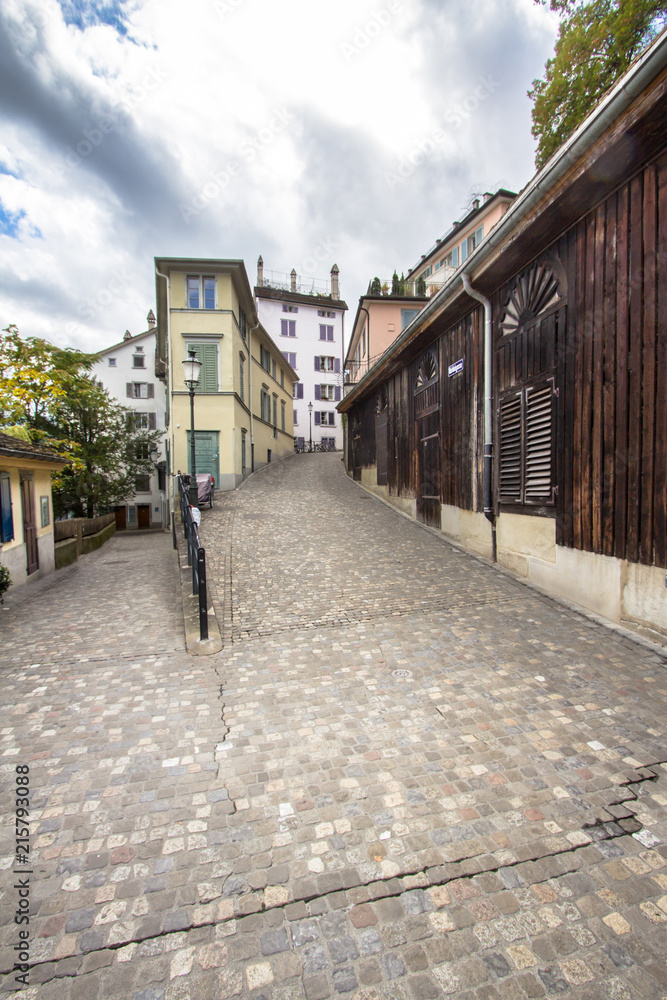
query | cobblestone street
(406,776)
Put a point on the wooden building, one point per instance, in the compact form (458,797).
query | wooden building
(524,411)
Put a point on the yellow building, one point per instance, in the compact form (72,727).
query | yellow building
(243,409)
(26,508)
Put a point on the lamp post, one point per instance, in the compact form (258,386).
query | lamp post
(310,414)
(191,378)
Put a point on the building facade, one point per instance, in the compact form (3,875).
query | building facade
(26,508)
(127,371)
(243,403)
(308,325)
(523,411)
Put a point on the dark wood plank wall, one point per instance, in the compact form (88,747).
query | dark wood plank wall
(612,413)
(608,348)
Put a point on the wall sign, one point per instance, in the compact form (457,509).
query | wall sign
(455,368)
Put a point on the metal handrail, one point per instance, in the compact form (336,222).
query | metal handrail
(196,554)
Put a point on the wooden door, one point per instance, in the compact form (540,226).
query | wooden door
(427,439)
(206,454)
(120,513)
(29,525)
(382,436)
(143,515)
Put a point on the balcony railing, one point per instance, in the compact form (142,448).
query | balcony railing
(305,286)
(414,288)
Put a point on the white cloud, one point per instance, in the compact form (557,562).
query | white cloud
(275,125)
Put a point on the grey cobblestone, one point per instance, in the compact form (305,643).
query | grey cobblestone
(290,819)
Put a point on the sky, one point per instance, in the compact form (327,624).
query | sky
(311,133)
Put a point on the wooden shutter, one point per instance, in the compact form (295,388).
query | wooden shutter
(318,392)
(317,417)
(152,421)
(150,390)
(6,516)
(323,332)
(329,333)
(337,365)
(337,393)
(284,328)
(317,362)
(538,444)
(129,389)
(292,328)
(299,390)
(510,448)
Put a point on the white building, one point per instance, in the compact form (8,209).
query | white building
(127,371)
(306,318)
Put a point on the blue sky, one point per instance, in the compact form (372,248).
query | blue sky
(239,127)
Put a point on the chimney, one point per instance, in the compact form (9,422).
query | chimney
(487,196)
(151,319)
(293,282)
(335,290)
(260,271)
(475,204)
(127,335)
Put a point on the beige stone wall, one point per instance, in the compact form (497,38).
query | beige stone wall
(467,527)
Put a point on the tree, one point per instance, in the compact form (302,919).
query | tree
(48,392)
(597,42)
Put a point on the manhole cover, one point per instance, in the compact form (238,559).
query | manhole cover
(401,673)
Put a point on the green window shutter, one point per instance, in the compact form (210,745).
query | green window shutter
(208,355)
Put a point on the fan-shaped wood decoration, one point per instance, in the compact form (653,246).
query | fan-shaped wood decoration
(382,401)
(427,371)
(533,293)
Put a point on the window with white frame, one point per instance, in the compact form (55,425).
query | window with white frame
(288,328)
(290,309)
(325,418)
(145,421)
(112,362)
(326,392)
(326,363)
(265,404)
(140,390)
(138,359)
(326,312)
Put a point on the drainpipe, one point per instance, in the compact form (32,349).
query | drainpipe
(252,418)
(170,394)
(488,405)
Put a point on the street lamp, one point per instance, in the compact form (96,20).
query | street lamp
(192,369)
(310,414)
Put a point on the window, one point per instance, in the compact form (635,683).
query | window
(326,312)
(290,309)
(161,478)
(243,324)
(131,514)
(450,260)
(290,358)
(471,243)
(265,404)
(141,451)
(296,417)
(326,363)
(282,414)
(297,390)
(282,378)
(200,291)
(526,445)
(273,367)
(138,361)
(142,484)
(45,511)
(6,516)
(407,316)
(145,421)
(288,328)
(326,332)
(330,393)
(140,390)
(428,272)
(265,359)
(241,360)
(208,375)
(112,362)
(275,410)
(323,418)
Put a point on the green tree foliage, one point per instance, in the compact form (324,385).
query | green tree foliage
(49,391)
(597,42)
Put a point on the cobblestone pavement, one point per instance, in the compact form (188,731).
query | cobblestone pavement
(406,776)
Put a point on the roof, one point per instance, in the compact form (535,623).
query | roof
(14,447)
(282,295)
(202,265)
(130,340)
